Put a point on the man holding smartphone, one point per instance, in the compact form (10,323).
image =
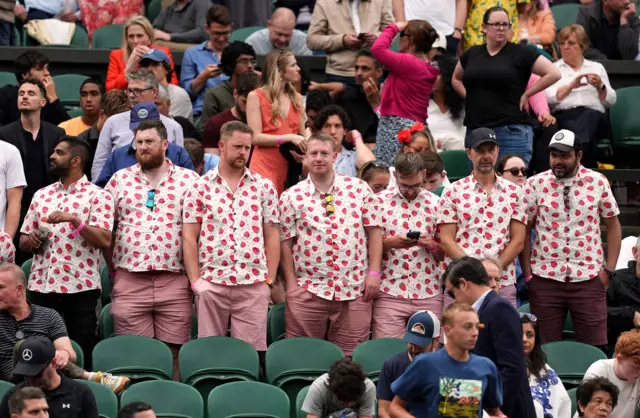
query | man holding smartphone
(410,260)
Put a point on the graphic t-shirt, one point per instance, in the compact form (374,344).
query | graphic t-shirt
(436,385)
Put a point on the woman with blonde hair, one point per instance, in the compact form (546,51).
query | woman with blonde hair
(276,115)
(137,40)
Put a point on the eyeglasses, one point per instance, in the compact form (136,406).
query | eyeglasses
(404,188)
(137,92)
(403,34)
(246,61)
(222,33)
(515,170)
(567,197)
(531,317)
(151,199)
(328,204)
(499,25)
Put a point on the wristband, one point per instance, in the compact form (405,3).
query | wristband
(374,274)
(435,249)
(279,139)
(528,277)
(78,230)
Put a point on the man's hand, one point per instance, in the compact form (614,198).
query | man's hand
(370,38)
(50,88)
(59,217)
(20,12)
(604,278)
(62,359)
(68,17)
(400,242)
(546,120)
(636,319)
(627,13)
(211,71)
(371,90)
(351,41)
(426,242)
(161,35)
(198,286)
(34,241)
(371,287)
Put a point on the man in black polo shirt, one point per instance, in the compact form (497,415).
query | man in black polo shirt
(67,398)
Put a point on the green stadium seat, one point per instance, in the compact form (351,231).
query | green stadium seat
(105,399)
(525,308)
(287,369)
(234,360)
(79,354)
(438,191)
(137,357)
(4,387)
(105,281)
(625,125)
(565,14)
(300,401)
(571,359)
(168,399)
(275,323)
(372,354)
(68,88)
(194,326)
(26,268)
(8,79)
(154,7)
(243,33)
(74,112)
(248,399)
(108,37)
(106,329)
(456,163)
(574,401)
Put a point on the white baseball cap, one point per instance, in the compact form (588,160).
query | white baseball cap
(565,141)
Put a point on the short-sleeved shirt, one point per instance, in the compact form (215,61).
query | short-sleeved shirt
(7,249)
(409,273)
(43,322)
(321,402)
(149,239)
(568,244)
(11,175)
(392,369)
(469,387)
(231,243)
(495,84)
(330,254)
(483,220)
(346,163)
(67,263)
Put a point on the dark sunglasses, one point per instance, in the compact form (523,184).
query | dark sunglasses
(567,197)
(403,34)
(531,317)
(449,292)
(328,204)
(515,170)
(151,199)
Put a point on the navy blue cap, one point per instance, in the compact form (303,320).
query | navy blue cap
(479,136)
(156,55)
(422,328)
(33,356)
(141,112)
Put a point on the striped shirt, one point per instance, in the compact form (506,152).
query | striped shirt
(41,321)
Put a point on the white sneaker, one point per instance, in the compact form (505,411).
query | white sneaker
(116,383)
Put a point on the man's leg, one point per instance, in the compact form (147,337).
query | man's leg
(548,303)
(213,307)
(250,305)
(390,315)
(588,307)
(6,33)
(132,303)
(80,317)
(306,314)
(352,326)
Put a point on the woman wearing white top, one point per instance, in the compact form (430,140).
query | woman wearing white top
(445,116)
(580,98)
(550,398)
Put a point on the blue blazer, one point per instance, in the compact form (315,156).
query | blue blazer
(501,341)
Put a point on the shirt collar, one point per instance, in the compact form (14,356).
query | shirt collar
(337,181)
(556,182)
(73,187)
(137,171)
(215,173)
(499,184)
(478,303)
(203,46)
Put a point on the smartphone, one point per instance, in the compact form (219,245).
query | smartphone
(413,234)
(361,36)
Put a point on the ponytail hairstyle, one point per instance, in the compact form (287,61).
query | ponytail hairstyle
(271,81)
(422,35)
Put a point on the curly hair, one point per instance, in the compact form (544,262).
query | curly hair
(231,53)
(628,345)
(332,110)
(346,380)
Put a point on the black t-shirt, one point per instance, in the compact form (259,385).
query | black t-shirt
(36,172)
(392,369)
(494,85)
(69,400)
(362,116)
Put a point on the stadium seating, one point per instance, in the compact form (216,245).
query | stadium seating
(106,329)
(243,33)
(105,399)
(571,359)
(456,163)
(8,79)
(574,401)
(105,281)
(248,399)
(68,88)
(154,7)
(234,360)
(26,268)
(108,37)
(4,387)
(372,354)
(168,399)
(275,323)
(565,14)
(300,401)
(79,354)
(139,358)
(625,125)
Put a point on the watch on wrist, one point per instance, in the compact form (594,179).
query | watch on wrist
(609,272)
(270,283)
(459,30)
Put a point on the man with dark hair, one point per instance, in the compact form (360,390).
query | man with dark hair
(202,162)
(232,283)
(316,101)
(91,92)
(596,398)
(345,391)
(201,66)
(181,24)
(238,58)
(500,339)
(79,215)
(361,102)
(247,82)
(435,174)
(136,410)
(28,402)
(32,64)
(280,33)
(124,157)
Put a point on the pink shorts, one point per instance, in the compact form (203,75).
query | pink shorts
(154,304)
(345,323)
(245,306)
(390,314)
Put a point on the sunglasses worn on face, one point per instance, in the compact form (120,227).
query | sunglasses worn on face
(151,199)
(529,316)
(449,292)
(515,170)
(567,197)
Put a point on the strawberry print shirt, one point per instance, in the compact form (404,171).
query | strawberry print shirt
(330,250)
(149,239)
(483,220)
(409,273)
(67,264)
(567,245)
(231,243)
(7,249)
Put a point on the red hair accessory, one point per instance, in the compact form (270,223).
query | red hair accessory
(404,135)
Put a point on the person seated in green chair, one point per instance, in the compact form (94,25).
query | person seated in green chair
(29,402)
(136,410)
(596,398)
(436,177)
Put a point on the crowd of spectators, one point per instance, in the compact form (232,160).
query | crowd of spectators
(227,186)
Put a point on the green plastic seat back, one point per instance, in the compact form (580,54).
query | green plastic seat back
(105,281)
(153,10)
(135,356)
(8,79)
(625,125)
(108,37)
(456,164)
(106,328)
(79,354)
(300,401)
(68,88)
(105,398)
(275,323)
(5,387)
(243,33)
(574,401)
(285,356)
(167,398)
(564,14)
(250,399)
(372,354)
(525,308)
(571,359)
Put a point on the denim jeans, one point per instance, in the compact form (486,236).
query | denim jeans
(516,139)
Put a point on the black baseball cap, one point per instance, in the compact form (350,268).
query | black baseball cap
(480,136)
(33,356)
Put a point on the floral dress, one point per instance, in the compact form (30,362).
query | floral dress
(550,398)
(98,13)
(473,26)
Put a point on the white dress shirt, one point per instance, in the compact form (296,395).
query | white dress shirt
(586,95)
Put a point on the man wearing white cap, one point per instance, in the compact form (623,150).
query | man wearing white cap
(566,269)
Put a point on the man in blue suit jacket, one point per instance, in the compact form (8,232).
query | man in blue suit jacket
(500,339)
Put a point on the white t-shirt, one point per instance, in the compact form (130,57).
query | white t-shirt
(444,128)
(440,13)
(628,390)
(11,175)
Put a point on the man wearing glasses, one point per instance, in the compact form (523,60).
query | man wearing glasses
(484,215)
(566,269)
(151,294)
(116,133)
(330,227)
(410,262)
